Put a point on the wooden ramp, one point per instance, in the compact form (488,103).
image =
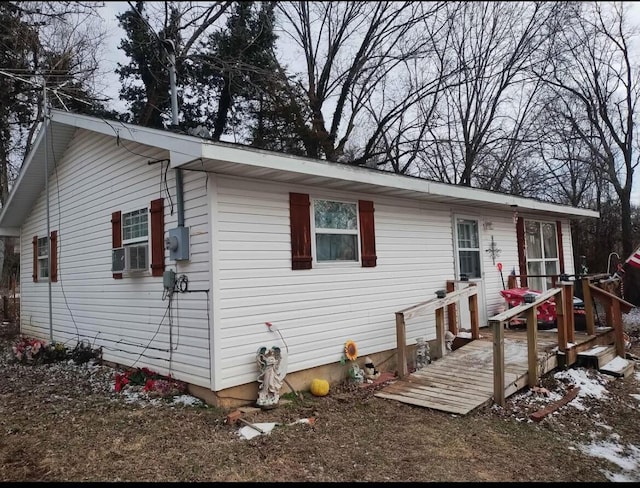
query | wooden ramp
(462,380)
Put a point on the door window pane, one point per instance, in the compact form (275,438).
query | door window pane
(468,248)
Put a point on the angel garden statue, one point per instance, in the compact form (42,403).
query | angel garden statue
(271,376)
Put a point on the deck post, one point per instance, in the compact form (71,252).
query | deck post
(452,313)
(617,326)
(401,347)
(511,282)
(498,361)
(473,314)
(532,342)
(561,321)
(567,296)
(441,347)
(588,307)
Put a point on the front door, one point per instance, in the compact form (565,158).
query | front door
(468,258)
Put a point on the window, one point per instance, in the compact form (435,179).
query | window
(468,248)
(336,231)
(342,231)
(137,240)
(43,258)
(542,253)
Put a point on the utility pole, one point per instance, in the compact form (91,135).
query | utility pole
(45,123)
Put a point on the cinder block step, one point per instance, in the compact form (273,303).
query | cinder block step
(597,356)
(618,367)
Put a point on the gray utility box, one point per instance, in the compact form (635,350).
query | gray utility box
(178,243)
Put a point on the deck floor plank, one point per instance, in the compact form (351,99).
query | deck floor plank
(462,380)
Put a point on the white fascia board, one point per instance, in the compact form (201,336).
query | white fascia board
(25,171)
(185,148)
(9,232)
(263,159)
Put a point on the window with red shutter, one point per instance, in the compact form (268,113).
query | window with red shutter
(137,240)
(45,249)
(335,227)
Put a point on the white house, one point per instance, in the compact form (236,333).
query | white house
(325,252)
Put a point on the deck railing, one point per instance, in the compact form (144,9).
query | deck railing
(437,306)
(614,307)
(565,324)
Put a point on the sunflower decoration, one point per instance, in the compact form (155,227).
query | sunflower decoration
(351,350)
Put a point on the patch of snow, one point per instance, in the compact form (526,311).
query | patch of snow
(187,400)
(616,365)
(464,335)
(594,351)
(626,457)
(635,395)
(591,387)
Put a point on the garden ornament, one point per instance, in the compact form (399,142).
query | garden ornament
(271,376)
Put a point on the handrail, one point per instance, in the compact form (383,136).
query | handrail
(497,324)
(436,305)
(614,307)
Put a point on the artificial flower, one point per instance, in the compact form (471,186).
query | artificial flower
(351,350)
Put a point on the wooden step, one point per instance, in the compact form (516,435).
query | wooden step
(597,356)
(618,367)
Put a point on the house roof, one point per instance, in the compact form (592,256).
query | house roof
(189,151)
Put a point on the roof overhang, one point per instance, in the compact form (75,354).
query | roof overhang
(192,152)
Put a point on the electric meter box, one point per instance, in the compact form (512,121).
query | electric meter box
(179,236)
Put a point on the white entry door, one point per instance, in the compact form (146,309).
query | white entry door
(468,257)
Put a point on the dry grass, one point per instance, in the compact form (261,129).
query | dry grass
(63,422)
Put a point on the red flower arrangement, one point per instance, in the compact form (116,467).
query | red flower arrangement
(152,383)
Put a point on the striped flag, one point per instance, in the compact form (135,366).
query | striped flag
(634,259)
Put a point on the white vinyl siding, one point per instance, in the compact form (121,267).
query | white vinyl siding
(317,310)
(95,178)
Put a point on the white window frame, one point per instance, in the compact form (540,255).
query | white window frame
(478,249)
(139,241)
(315,231)
(43,259)
(543,260)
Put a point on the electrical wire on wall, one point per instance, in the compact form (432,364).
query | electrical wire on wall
(60,234)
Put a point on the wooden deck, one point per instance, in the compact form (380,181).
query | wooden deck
(462,380)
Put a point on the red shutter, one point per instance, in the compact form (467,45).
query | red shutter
(157,237)
(522,257)
(116,236)
(53,255)
(35,259)
(300,221)
(367,234)
(560,249)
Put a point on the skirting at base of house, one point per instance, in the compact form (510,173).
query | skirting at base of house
(335,373)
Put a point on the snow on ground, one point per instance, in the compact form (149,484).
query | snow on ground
(627,457)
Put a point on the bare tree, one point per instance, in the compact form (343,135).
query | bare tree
(52,44)
(487,111)
(596,72)
(353,53)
